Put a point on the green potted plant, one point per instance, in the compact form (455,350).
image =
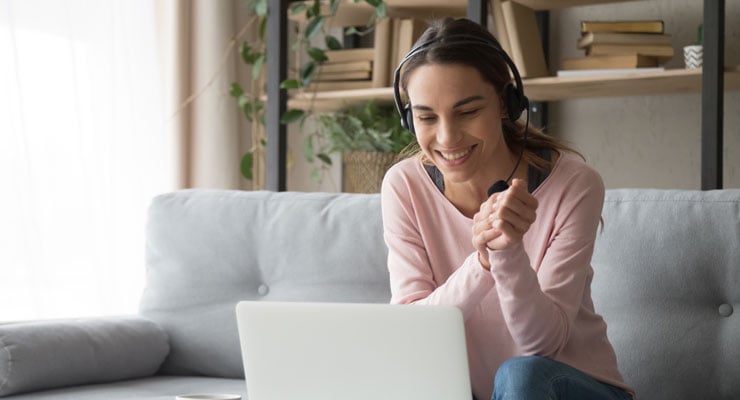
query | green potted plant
(253,54)
(694,54)
(368,135)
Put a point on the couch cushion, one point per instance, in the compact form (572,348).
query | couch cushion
(155,388)
(667,280)
(209,249)
(49,354)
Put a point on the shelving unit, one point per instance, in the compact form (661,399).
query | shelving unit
(712,81)
(550,88)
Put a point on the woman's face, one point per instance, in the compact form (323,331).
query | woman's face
(457,118)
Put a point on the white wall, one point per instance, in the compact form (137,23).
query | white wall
(645,141)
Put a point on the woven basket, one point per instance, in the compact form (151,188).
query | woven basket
(364,170)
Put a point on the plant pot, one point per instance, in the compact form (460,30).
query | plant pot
(693,56)
(364,170)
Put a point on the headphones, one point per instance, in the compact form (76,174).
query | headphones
(513,96)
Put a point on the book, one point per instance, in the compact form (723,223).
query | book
(524,38)
(382,53)
(338,85)
(618,61)
(592,72)
(650,26)
(657,50)
(323,76)
(348,66)
(395,28)
(409,30)
(347,55)
(500,26)
(590,38)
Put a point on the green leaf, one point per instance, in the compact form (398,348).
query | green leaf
(246,165)
(381,11)
(316,175)
(332,42)
(308,148)
(333,4)
(308,70)
(257,67)
(315,9)
(351,31)
(236,90)
(313,27)
(247,108)
(246,53)
(261,8)
(297,8)
(289,84)
(263,29)
(324,158)
(291,116)
(317,54)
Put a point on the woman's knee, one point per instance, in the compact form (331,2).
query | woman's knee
(520,375)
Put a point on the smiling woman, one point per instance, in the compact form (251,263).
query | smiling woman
(82,153)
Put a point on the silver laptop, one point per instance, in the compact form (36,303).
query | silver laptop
(328,351)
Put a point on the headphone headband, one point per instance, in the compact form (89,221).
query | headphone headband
(516,101)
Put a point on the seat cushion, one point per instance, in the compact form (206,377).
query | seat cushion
(154,388)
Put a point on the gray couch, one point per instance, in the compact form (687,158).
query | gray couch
(667,277)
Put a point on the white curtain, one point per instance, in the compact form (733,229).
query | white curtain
(83,149)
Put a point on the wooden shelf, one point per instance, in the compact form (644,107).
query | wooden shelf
(549,88)
(623,84)
(350,13)
(542,5)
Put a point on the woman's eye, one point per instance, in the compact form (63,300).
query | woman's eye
(470,112)
(426,118)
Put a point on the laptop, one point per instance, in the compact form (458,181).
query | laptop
(328,351)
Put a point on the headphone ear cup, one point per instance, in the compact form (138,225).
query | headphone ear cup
(516,102)
(407,119)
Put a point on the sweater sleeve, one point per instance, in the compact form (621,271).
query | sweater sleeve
(411,273)
(540,304)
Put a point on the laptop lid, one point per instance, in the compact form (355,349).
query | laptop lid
(327,351)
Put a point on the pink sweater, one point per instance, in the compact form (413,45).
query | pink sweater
(535,300)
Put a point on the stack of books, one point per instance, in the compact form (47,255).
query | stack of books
(612,46)
(345,69)
(369,67)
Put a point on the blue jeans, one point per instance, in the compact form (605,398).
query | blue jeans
(535,378)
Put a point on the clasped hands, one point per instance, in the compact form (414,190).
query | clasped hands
(503,219)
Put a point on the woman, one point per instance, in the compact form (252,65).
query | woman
(517,262)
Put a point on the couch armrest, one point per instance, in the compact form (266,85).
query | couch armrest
(49,354)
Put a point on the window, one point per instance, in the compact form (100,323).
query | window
(82,152)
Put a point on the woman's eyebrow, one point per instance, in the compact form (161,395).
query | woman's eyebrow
(467,100)
(460,103)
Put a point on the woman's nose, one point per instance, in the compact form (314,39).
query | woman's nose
(447,133)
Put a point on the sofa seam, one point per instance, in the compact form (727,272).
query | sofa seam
(10,364)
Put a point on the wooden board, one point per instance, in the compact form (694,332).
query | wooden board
(548,88)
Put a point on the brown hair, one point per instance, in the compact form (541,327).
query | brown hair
(492,67)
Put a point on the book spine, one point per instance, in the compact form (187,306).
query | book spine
(382,53)
(654,26)
(524,37)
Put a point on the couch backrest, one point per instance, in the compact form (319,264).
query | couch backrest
(667,277)
(208,249)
